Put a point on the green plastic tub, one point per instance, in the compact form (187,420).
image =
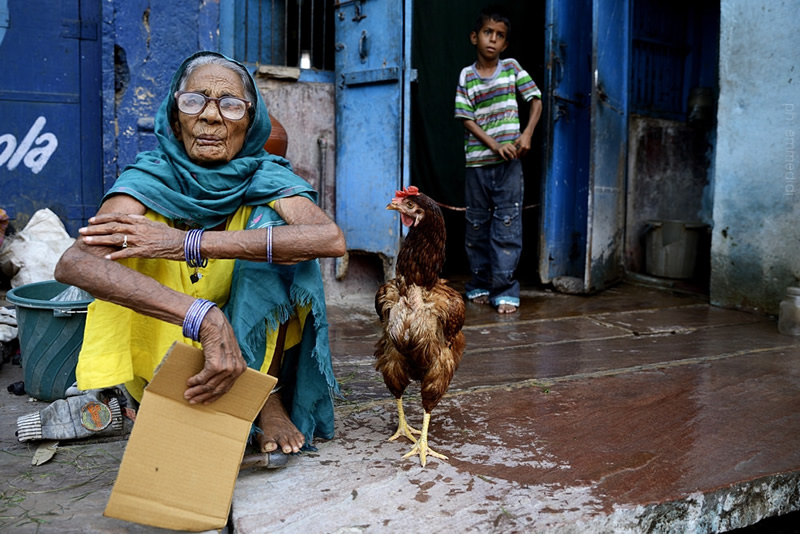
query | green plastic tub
(50,337)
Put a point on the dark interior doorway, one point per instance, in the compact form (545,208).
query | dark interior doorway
(440,49)
(673,94)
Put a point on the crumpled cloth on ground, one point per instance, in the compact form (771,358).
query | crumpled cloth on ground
(8,324)
(88,414)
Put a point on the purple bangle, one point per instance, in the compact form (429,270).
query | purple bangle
(269,244)
(191,249)
(194,318)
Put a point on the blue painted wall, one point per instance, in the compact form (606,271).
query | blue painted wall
(756,236)
(49,109)
(144,41)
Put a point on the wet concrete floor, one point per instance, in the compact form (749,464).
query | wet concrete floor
(633,410)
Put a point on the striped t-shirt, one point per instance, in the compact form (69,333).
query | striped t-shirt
(492,103)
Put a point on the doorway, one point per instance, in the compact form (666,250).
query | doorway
(674,87)
(440,49)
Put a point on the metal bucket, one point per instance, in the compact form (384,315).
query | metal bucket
(672,248)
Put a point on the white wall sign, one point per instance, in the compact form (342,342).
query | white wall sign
(33,151)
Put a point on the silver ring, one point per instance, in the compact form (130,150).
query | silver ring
(124,241)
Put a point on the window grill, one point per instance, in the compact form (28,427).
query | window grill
(291,33)
(659,71)
(660,58)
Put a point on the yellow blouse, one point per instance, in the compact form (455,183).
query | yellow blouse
(121,346)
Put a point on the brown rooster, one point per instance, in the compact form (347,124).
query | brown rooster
(421,317)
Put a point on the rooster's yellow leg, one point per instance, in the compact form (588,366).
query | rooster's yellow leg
(402,425)
(421,446)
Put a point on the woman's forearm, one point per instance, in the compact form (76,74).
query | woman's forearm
(290,243)
(108,280)
(308,234)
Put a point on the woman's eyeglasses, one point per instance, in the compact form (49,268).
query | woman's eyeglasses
(230,107)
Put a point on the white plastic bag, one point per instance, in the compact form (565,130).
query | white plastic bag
(31,255)
(72,294)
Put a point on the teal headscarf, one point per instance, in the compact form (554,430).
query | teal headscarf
(168,182)
(262,295)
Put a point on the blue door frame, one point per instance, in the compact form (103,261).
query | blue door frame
(584,183)
(50,140)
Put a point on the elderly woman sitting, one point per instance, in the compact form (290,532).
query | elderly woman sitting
(212,241)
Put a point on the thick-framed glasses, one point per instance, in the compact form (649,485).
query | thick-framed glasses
(230,107)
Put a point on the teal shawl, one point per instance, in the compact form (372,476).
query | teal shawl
(262,295)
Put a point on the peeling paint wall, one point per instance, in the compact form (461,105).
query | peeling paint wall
(306,111)
(144,41)
(756,238)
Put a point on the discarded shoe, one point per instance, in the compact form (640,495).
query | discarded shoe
(127,403)
(76,417)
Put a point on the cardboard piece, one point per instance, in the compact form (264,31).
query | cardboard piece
(181,462)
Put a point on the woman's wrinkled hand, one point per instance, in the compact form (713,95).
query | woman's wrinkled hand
(223,361)
(135,236)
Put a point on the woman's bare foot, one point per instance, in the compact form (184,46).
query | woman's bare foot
(483,299)
(278,431)
(506,308)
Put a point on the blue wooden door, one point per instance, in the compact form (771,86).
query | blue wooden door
(372,77)
(583,194)
(568,49)
(50,128)
(609,142)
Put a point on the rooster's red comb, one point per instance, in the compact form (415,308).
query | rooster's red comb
(410,191)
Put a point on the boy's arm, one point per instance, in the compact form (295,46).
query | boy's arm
(524,141)
(506,151)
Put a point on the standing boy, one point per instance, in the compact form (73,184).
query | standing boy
(486,100)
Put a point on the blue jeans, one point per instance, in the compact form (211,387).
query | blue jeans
(493,237)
